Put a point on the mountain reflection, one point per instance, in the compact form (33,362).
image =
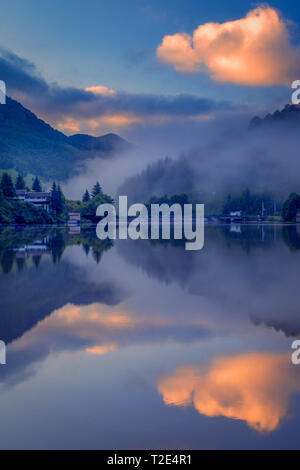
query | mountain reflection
(249,270)
(245,279)
(33,266)
(253,387)
(140,314)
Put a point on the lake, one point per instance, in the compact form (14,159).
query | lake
(144,345)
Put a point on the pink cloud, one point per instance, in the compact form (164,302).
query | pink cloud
(239,387)
(101,90)
(254,50)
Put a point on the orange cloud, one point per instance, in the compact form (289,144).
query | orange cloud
(99,329)
(101,90)
(101,349)
(255,388)
(104,123)
(69,125)
(120,120)
(254,50)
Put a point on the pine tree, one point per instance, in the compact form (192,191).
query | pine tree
(20,182)
(54,197)
(96,189)
(86,197)
(60,200)
(7,186)
(36,185)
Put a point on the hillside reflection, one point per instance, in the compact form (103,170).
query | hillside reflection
(252,271)
(21,247)
(205,333)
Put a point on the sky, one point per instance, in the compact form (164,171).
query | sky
(120,64)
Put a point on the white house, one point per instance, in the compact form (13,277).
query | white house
(40,199)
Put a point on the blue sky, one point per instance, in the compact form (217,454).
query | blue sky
(78,43)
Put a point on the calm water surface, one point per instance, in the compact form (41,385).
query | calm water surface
(144,345)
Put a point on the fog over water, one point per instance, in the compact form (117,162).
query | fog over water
(208,158)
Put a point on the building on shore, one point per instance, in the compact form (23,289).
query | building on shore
(74,218)
(298,217)
(40,199)
(74,223)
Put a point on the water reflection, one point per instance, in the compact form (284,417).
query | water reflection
(252,273)
(96,329)
(229,309)
(39,284)
(24,246)
(255,388)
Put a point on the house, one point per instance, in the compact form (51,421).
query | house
(298,217)
(20,194)
(74,218)
(236,214)
(40,199)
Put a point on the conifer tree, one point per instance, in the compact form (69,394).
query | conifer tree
(54,197)
(96,189)
(36,185)
(86,197)
(60,200)
(20,182)
(7,186)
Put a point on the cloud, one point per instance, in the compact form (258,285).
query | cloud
(97,330)
(255,50)
(101,90)
(102,349)
(240,387)
(97,108)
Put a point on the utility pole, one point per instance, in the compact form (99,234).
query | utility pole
(262,209)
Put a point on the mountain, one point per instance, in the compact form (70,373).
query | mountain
(287,118)
(30,145)
(106,143)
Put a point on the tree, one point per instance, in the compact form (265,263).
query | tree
(60,201)
(291,207)
(20,182)
(86,197)
(36,185)
(53,192)
(96,189)
(249,203)
(90,208)
(57,199)
(7,186)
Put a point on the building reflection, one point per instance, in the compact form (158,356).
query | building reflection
(23,246)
